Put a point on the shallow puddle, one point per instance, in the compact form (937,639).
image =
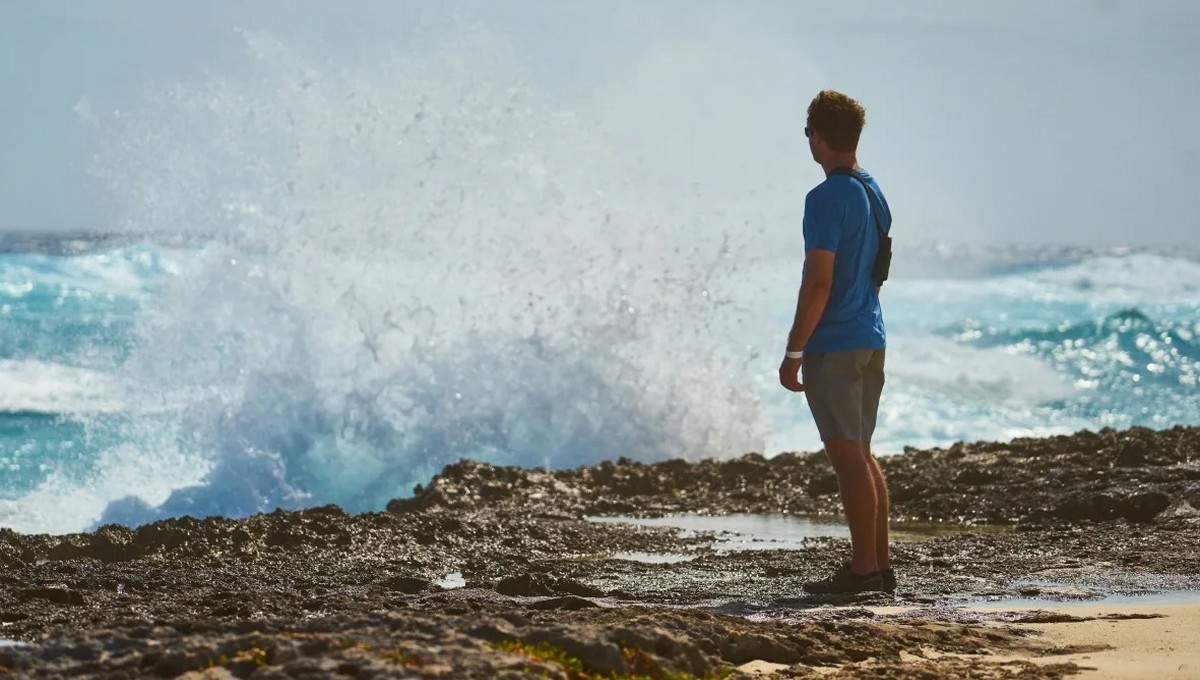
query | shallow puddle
(652,558)
(1149,599)
(782,532)
(452,581)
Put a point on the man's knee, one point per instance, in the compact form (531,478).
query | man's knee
(876,468)
(848,456)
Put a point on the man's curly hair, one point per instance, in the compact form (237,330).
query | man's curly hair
(839,119)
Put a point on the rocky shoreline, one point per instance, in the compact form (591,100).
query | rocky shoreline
(545,593)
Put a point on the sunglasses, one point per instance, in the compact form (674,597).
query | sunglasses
(807,131)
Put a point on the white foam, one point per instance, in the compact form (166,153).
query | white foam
(1102,281)
(149,466)
(41,387)
(918,418)
(1129,279)
(414,262)
(16,291)
(939,389)
(959,372)
(127,272)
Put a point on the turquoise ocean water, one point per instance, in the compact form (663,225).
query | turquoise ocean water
(138,383)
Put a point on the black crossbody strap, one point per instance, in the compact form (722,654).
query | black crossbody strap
(883,257)
(851,172)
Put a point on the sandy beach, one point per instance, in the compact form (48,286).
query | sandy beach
(1157,640)
(1037,558)
(1101,641)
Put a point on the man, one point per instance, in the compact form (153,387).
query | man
(837,339)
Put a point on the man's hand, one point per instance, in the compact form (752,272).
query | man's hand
(789,374)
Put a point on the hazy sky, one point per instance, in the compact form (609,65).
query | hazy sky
(1065,122)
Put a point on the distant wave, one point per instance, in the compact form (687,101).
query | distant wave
(924,257)
(72,243)
(127,270)
(35,387)
(950,259)
(1128,367)
(1131,279)
(1129,337)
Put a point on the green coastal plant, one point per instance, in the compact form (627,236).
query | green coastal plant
(642,665)
(256,655)
(395,656)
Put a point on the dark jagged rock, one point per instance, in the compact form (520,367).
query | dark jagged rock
(990,482)
(321,592)
(407,585)
(1100,507)
(484,644)
(54,594)
(527,585)
(523,585)
(564,603)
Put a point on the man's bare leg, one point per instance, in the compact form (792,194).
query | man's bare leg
(882,550)
(857,485)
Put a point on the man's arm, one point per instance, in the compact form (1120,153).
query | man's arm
(814,294)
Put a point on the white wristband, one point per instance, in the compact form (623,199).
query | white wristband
(794,355)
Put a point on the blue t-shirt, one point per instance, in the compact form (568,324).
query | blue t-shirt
(838,218)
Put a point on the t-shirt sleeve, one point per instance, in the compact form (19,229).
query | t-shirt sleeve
(822,222)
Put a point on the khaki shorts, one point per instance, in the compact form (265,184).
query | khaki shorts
(843,391)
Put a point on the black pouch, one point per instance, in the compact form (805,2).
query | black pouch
(883,259)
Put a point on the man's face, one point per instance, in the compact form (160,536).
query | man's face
(812,142)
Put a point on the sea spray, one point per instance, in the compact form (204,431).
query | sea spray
(408,263)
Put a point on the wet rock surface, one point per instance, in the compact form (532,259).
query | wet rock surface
(319,593)
(1131,474)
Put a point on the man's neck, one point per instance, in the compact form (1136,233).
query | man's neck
(841,160)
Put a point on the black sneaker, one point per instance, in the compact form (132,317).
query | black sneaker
(844,580)
(888,576)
